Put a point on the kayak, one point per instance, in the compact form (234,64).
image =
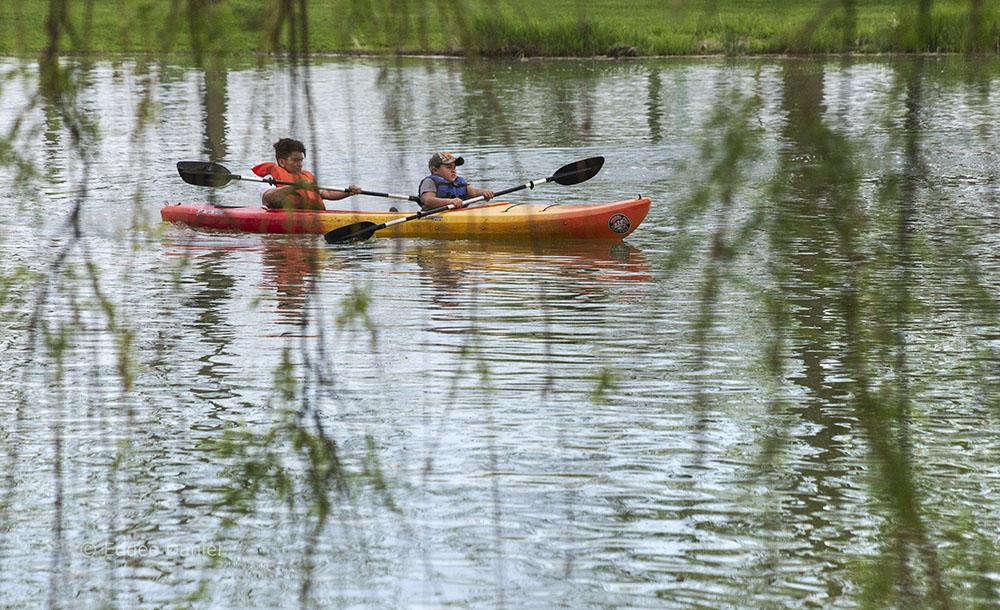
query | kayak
(501,220)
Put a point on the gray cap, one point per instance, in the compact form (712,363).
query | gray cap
(442,158)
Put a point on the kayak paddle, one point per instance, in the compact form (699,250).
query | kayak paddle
(205,173)
(573,173)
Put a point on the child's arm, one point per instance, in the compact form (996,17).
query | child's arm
(474,191)
(431,201)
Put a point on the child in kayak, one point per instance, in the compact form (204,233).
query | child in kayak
(444,186)
(304,194)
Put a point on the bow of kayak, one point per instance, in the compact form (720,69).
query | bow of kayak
(500,220)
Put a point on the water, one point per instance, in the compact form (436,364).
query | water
(802,416)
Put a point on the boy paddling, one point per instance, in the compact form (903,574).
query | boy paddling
(304,194)
(444,186)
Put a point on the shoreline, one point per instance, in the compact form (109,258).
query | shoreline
(506,29)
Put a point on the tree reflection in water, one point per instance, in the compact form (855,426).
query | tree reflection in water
(855,259)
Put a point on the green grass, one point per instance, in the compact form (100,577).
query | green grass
(506,27)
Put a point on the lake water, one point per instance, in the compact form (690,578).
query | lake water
(781,391)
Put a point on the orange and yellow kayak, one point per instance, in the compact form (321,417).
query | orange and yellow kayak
(501,220)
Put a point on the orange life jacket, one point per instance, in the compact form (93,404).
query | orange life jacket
(300,199)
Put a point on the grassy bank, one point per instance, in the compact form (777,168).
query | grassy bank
(502,27)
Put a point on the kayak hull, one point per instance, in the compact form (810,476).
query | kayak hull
(494,221)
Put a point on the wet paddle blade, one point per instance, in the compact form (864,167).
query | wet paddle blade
(578,171)
(203,173)
(359,231)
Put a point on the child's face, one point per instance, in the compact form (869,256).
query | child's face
(446,171)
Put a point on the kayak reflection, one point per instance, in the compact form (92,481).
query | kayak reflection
(500,269)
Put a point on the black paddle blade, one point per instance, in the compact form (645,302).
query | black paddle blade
(203,173)
(359,231)
(578,171)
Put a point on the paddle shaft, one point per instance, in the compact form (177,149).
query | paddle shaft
(326,188)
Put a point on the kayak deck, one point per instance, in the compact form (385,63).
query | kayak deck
(502,220)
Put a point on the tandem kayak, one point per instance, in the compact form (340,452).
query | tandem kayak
(501,220)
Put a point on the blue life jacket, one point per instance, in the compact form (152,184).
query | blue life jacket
(447,190)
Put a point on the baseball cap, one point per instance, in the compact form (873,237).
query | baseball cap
(441,158)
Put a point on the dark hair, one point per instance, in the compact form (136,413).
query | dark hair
(287,146)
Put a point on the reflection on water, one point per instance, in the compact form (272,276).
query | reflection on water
(780,391)
(288,270)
